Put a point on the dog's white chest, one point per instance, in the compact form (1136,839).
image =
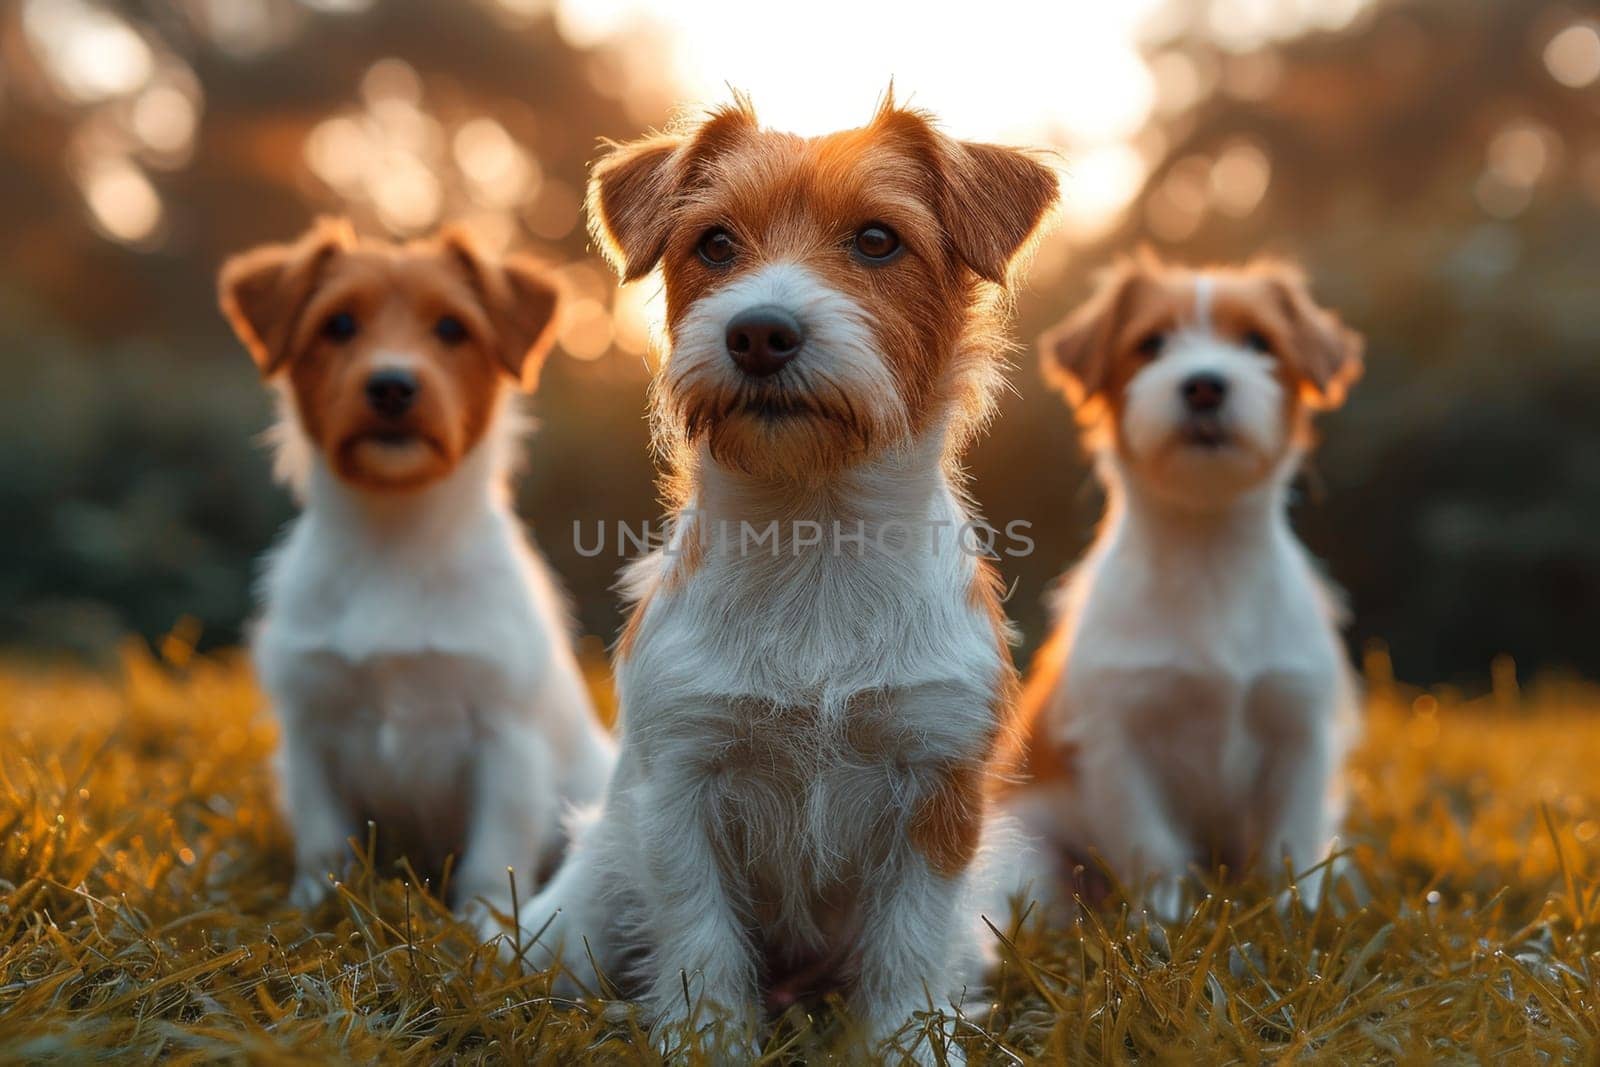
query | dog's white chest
(394,663)
(1201,674)
(479,599)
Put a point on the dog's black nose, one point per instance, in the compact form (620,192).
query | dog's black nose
(390,392)
(1204,392)
(762,339)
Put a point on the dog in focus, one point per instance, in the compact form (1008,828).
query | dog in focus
(413,646)
(809,722)
(1194,702)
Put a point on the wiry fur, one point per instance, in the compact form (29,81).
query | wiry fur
(808,733)
(1195,702)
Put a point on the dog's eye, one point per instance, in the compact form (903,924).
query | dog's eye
(340,327)
(1150,347)
(876,242)
(717,247)
(450,330)
(1257,340)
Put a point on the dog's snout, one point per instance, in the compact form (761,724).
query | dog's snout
(762,339)
(1204,392)
(391,392)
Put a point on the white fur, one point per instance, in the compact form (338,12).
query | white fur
(1205,691)
(415,651)
(784,714)
(1205,291)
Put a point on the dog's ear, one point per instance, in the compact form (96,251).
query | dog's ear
(996,197)
(1325,354)
(519,295)
(263,291)
(632,188)
(991,199)
(1076,353)
(627,203)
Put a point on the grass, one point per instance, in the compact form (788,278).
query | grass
(143,874)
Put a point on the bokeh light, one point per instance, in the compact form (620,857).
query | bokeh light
(164,118)
(1573,55)
(89,52)
(1239,178)
(123,202)
(1178,205)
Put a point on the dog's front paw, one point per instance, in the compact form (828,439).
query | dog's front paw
(1165,899)
(680,1039)
(694,1025)
(928,1044)
(309,890)
(488,920)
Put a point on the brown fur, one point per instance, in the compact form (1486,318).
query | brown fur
(630,628)
(948,824)
(278,298)
(1040,759)
(987,595)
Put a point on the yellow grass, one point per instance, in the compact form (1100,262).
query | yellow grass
(143,871)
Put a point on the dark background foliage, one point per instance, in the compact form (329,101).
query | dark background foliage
(1439,184)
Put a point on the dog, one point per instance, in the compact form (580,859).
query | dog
(1194,702)
(809,720)
(412,644)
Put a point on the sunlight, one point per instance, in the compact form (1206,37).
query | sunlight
(1097,184)
(1077,80)
(1075,75)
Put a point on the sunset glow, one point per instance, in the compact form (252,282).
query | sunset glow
(1077,81)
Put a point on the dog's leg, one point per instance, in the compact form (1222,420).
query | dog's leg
(317,815)
(512,822)
(1293,809)
(1133,832)
(1033,872)
(1293,724)
(703,965)
(573,920)
(909,949)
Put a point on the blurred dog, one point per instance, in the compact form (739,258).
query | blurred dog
(809,721)
(413,646)
(1195,702)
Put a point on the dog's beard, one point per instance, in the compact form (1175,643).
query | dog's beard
(804,424)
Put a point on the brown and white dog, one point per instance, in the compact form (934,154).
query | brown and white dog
(815,675)
(414,648)
(1195,701)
